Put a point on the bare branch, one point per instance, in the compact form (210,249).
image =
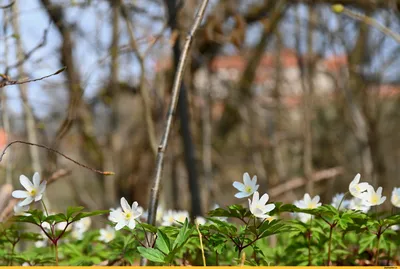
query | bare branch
(106,173)
(7,81)
(8,5)
(372,22)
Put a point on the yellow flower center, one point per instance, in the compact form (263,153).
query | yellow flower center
(33,192)
(374,199)
(357,188)
(128,215)
(312,206)
(248,189)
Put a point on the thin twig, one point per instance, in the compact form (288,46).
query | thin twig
(8,5)
(106,173)
(155,190)
(372,22)
(6,81)
(201,245)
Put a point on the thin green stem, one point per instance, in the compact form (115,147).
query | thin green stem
(330,245)
(342,200)
(45,208)
(378,235)
(56,251)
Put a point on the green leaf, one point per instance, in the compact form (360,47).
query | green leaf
(366,242)
(151,254)
(183,235)
(162,242)
(73,209)
(56,218)
(82,215)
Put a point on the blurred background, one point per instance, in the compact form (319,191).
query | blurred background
(287,90)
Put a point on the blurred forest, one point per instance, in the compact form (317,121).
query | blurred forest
(287,90)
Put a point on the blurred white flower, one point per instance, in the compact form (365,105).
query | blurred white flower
(26,264)
(247,188)
(127,216)
(200,220)
(303,217)
(61,226)
(181,216)
(308,203)
(172,217)
(259,207)
(395,199)
(358,204)
(83,224)
(356,189)
(107,234)
(395,227)
(337,199)
(34,192)
(372,198)
(168,218)
(21,210)
(80,227)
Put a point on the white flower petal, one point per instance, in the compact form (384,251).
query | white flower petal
(242,194)
(120,225)
(264,199)
(132,224)
(125,206)
(42,186)
(20,194)
(269,208)
(26,183)
(27,201)
(239,186)
(38,197)
(246,179)
(36,179)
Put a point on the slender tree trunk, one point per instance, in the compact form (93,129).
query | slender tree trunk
(4,109)
(184,119)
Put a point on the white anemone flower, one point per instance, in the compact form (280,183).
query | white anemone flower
(303,217)
(127,216)
(34,192)
(247,188)
(107,234)
(356,189)
(168,218)
(259,207)
(21,210)
(372,198)
(358,204)
(181,216)
(199,220)
(308,203)
(395,199)
(337,199)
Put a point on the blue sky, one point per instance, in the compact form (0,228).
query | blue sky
(94,36)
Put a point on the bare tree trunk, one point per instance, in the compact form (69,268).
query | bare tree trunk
(28,112)
(4,109)
(308,103)
(183,111)
(78,111)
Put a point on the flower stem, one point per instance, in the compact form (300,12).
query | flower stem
(56,252)
(330,244)
(341,201)
(378,235)
(45,208)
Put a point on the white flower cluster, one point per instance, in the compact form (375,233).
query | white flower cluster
(258,206)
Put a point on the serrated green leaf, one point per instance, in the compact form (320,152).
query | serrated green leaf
(151,254)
